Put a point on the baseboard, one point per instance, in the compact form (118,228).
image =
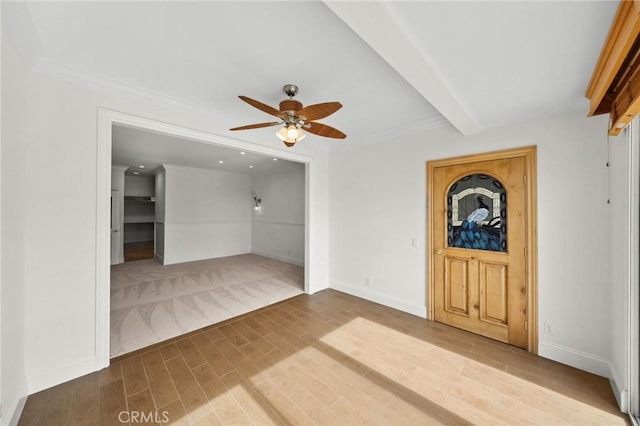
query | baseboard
(622,397)
(159,258)
(575,358)
(16,413)
(120,260)
(621,394)
(383,299)
(174,261)
(285,259)
(55,377)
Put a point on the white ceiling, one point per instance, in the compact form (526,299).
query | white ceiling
(208,53)
(395,66)
(134,147)
(484,64)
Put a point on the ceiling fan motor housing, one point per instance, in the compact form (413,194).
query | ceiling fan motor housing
(290,105)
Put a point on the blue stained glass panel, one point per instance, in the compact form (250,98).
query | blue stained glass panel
(477,214)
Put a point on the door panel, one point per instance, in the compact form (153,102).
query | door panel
(456,285)
(494,294)
(479,234)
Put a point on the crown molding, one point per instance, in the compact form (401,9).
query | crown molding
(23,34)
(108,84)
(393,133)
(102,82)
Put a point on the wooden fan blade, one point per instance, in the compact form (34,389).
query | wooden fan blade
(318,111)
(256,126)
(324,130)
(262,107)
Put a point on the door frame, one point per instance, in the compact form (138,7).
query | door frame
(106,119)
(529,154)
(632,403)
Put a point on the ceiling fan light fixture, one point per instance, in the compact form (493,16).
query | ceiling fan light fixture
(290,135)
(282,133)
(293,133)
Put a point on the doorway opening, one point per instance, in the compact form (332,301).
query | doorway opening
(139,216)
(108,121)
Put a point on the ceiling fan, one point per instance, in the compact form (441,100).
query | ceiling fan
(294,117)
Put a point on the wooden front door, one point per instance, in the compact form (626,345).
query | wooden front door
(478,223)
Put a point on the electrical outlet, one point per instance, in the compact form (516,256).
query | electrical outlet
(367,282)
(548,329)
(414,242)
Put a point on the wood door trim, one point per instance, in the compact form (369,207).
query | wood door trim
(529,153)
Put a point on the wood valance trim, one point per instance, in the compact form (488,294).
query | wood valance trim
(615,84)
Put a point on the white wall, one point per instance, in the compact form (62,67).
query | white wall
(279,232)
(207,214)
(160,208)
(13,379)
(61,145)
(139,186)
(378,205)
(118,178)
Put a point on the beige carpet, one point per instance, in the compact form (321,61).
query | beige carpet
(151,303)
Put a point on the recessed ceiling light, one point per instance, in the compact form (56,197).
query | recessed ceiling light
(251,167)
(136,173)
(221,162)
(242,153)
(141,166)
(275,159)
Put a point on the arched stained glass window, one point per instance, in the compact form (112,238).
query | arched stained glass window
(477,214)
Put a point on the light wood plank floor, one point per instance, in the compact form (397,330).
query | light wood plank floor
(329,359)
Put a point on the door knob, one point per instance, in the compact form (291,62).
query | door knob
(439,251)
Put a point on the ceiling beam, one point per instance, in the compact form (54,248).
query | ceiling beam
(378,26)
